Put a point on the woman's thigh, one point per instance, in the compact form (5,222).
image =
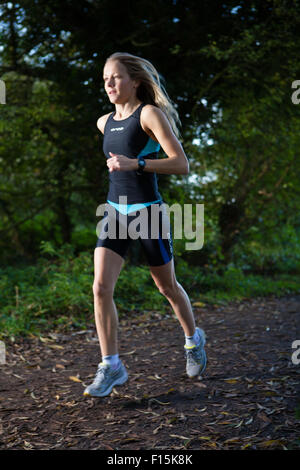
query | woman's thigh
(158,244)
(164,276)
(107,266)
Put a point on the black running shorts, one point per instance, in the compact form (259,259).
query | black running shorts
(149,225)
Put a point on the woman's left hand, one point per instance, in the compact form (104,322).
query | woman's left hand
(121,163)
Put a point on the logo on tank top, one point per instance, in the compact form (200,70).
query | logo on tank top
(116,129)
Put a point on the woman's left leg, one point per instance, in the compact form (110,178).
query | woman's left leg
(165,279)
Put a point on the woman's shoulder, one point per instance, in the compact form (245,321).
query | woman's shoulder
(152,119)
(150,110)
(151,113)
(102,121)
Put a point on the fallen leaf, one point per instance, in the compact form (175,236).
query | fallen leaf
(20,417)
(148,412)
(240,424)
(270,443)
(159,402)
(246,445)
(75,379)
(231,440)
(200,385)
(70,404)
(179,437)
(128,353)
(212,444)
(155,431)
(27,445)
(198,304)
(45,340)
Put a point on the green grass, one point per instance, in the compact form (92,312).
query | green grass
(234,284)
(56,292)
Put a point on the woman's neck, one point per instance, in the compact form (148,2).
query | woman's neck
(126,109)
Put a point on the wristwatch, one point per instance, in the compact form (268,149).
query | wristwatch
(142,164)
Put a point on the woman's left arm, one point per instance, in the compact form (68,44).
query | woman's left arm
(155,123)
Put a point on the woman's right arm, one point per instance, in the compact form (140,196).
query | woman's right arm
(102,121)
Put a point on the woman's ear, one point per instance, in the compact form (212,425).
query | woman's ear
(136,83)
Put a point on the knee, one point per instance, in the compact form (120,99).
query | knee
(102,290)
(169,290)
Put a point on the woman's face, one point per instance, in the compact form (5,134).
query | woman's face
(117,82)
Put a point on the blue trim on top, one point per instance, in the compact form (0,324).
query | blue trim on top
(150,147)
(127,208)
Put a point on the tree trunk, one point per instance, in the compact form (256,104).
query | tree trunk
(229,223)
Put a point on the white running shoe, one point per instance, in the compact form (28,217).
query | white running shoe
(106,378)
(196,357)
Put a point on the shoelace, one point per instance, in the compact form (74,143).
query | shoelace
(189,355)
(193,358)
(100,372)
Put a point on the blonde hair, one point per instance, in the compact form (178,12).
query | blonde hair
(150,90)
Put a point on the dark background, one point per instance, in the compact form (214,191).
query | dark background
(228,66)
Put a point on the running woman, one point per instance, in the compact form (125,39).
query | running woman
(143,121)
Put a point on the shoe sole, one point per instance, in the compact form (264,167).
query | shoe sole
(109,389)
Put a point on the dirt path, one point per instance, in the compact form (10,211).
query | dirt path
(246,399)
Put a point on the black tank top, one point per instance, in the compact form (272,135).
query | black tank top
(127,137)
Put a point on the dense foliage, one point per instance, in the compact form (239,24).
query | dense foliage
(229,67)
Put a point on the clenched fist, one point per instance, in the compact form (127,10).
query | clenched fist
(121,163)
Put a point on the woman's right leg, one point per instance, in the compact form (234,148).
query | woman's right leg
(107,267)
